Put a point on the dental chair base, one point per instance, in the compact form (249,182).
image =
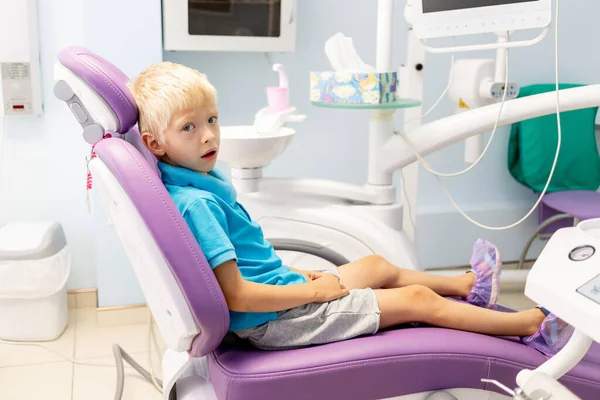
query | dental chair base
(313,224)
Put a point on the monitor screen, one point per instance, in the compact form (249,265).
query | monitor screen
(430,6)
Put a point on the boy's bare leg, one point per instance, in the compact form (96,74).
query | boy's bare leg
(420,304)
(375,272)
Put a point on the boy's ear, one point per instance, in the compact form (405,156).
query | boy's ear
(153,144)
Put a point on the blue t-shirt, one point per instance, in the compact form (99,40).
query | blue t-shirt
(225,231)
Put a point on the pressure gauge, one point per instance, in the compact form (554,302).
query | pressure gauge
(582,253)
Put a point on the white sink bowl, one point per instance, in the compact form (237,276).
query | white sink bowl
(243,147)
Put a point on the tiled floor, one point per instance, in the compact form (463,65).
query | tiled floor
(35,373)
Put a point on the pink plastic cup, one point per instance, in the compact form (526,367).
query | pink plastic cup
(277,98)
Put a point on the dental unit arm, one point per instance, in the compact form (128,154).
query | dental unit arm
(436,135)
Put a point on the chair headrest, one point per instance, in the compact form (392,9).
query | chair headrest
(97,94)
(107,80)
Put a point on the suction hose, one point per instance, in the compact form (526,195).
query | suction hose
(121,355)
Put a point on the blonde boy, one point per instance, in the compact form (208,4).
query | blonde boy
(179,122)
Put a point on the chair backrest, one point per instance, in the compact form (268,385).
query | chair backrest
(177,281)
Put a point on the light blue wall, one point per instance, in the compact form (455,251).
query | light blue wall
(42,171)
(333,144)
(133,41)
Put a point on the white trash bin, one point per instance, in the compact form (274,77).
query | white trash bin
(34,268)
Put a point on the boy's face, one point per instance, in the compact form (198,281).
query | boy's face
(191,140)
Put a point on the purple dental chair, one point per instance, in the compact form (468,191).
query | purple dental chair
(202,361)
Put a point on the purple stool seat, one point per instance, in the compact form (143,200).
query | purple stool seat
(581,204)
(561,210)
(391,363)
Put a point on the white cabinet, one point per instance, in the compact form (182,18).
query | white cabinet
(229,25)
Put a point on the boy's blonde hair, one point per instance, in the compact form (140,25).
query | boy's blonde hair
(166,88)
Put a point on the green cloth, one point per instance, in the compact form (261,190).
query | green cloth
(532,148)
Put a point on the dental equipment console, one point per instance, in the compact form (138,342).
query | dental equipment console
(339,223)
(566,279)
(441,18)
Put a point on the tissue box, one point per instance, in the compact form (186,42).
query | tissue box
(353,87)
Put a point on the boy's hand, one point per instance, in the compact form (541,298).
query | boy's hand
(309,275)
(312,275)
(245,296)
(327,287)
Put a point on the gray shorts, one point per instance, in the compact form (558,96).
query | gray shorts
(354,315)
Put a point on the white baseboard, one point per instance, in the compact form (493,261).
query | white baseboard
(445,238)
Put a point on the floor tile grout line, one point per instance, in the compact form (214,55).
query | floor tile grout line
(77,323)
(60,359)
(33,364)
(83,359)
(73,357)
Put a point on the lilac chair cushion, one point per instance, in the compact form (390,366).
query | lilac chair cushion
(110,83)
(106,79)
(175,240)
(391,363)
(582,204)
(134,138)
